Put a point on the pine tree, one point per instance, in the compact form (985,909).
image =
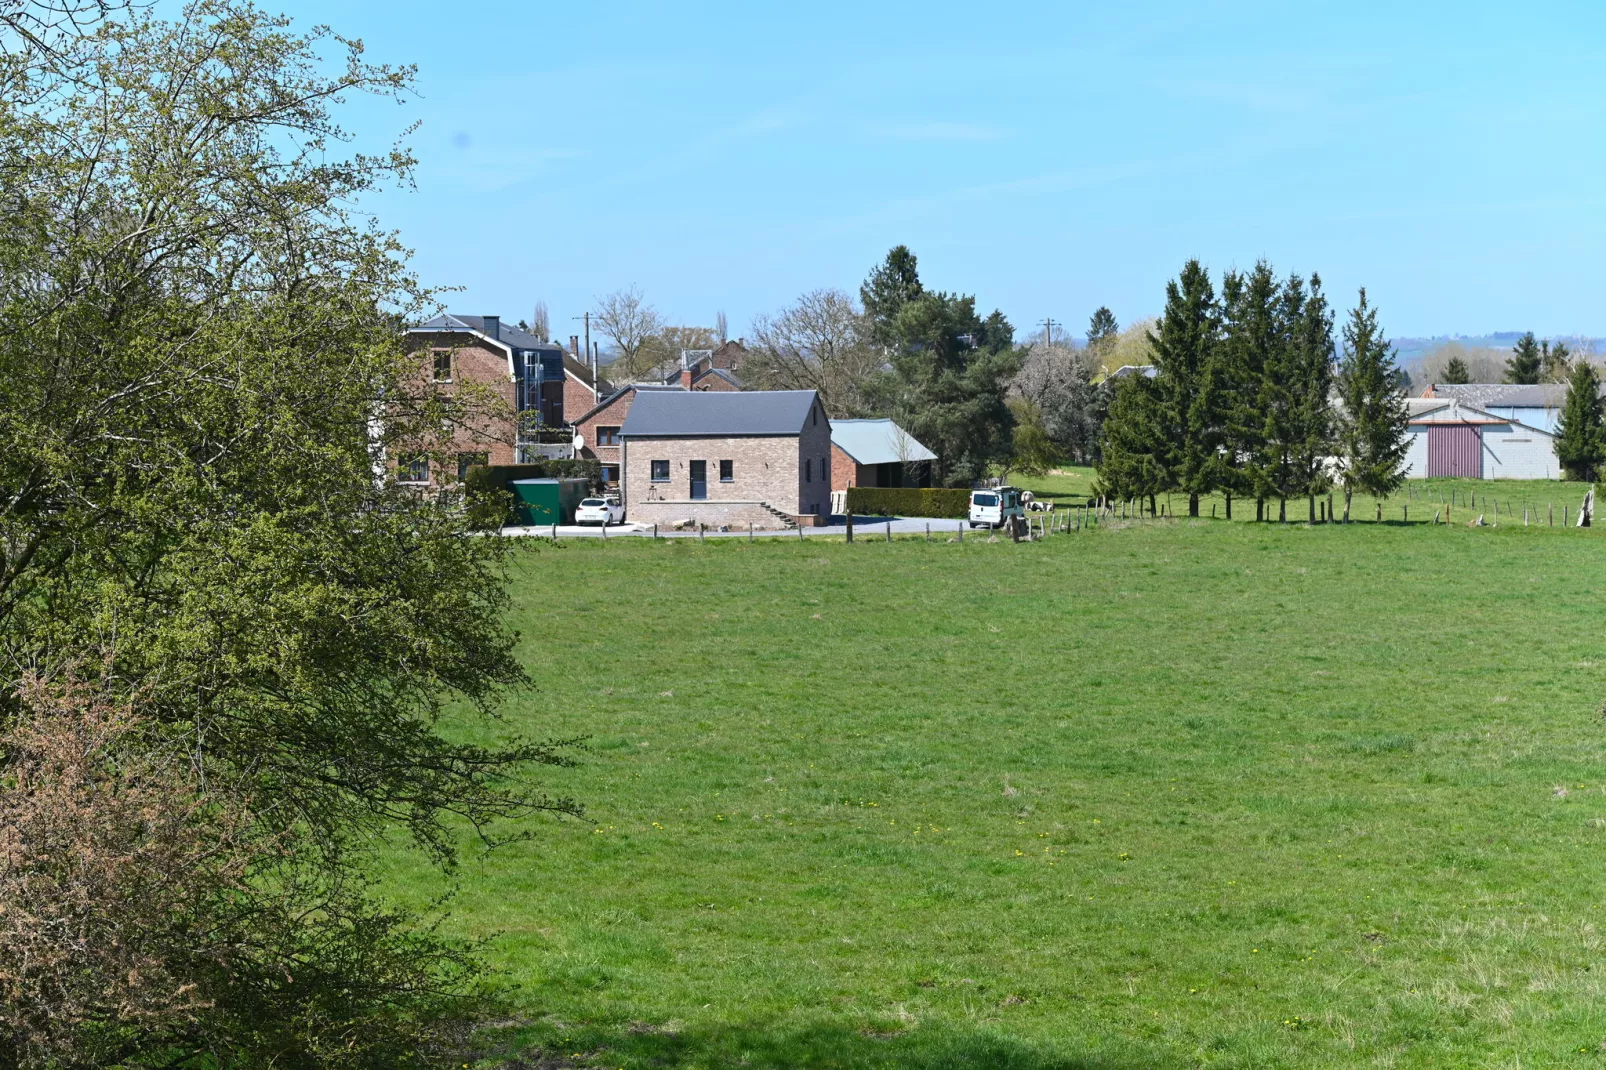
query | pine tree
(1456,373)
(1184,405)
(1276,470)
(1557,362)
(1311,344)
(1372,423)
(1101,326)
(1526,361)
(1132,458)
(1249,332)
(1580,436)
(890,286)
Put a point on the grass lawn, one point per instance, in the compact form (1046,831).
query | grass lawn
(1169,794)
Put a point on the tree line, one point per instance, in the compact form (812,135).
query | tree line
(1249,398)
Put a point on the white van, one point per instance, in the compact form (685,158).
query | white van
(993,508)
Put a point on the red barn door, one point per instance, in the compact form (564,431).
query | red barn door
(1455,450)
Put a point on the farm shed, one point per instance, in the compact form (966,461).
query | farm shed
(877,453)
(1448,438)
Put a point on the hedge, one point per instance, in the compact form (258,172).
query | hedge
(488,497)
(909,501)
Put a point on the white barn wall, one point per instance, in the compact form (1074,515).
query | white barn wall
(1416,455)
(1511,451)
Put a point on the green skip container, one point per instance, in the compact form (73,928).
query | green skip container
(547,501)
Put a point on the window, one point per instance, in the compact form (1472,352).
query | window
(412,468)
(808,470)
(443,365)
(610,473)
(727,471)
(660,471)
(607,436)
(465,460)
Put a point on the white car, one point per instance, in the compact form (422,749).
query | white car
(993,508)
(599,511)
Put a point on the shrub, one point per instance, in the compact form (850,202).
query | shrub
(488,496)
(909,501)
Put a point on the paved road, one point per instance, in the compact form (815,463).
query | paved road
(864,527)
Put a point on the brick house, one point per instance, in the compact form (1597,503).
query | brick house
(877,453)
(711,369)
(598,428)
(758,457)
(542,386)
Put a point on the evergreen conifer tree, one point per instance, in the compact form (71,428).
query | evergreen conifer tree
(891,284)
(1275,468)
(1526,362)
(1456,373)
(1311,426)
(1132,459)
(1372,428)
(1249,333)
(1184,403)
(1101,326)
(1581,438)
(1557,362)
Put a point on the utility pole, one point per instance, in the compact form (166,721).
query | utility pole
(1048,329)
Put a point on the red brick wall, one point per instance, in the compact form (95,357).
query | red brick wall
(713,382)
(577,398)
(473,361)
(612,416)
(845,472)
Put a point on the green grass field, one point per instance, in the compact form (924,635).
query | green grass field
(1169,794)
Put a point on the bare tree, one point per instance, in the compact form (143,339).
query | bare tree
(660,357)
(630,323)
(541,322)
(721,327)
(1055,383)
(820,343)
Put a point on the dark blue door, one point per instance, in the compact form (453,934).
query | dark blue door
(699,479)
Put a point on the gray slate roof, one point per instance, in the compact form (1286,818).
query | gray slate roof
(877,442)
(1482,395)
(510,335)
(717,413)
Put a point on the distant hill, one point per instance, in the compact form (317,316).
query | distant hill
(1484,353)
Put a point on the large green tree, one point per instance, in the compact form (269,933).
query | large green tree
(1134,450)
(1372,429)
(1526,363)
(890,286)
(201,388)
(1311,344)
(1455,372)
(948,383)
(1580,435)
(1252,339)
(1185,403)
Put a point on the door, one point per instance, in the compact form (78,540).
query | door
(699,479)
(1455,450)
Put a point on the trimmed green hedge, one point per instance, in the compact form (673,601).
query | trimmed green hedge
(909,501)
(488,498)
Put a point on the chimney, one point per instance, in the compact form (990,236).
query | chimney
(685,378)
(574,346)
(493,327)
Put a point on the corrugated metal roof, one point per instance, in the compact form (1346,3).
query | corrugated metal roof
(877,442)
(1512,395)
(1458,413)
(700,413)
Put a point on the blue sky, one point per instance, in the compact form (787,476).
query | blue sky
(1048,158)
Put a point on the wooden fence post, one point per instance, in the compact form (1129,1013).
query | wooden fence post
(889,530)
(700,536)
(849,518)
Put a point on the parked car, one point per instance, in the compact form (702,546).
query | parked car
(599,511)
(992,508)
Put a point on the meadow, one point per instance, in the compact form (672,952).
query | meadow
(1163,794)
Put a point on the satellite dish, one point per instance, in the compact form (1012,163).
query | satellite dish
(579,442)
